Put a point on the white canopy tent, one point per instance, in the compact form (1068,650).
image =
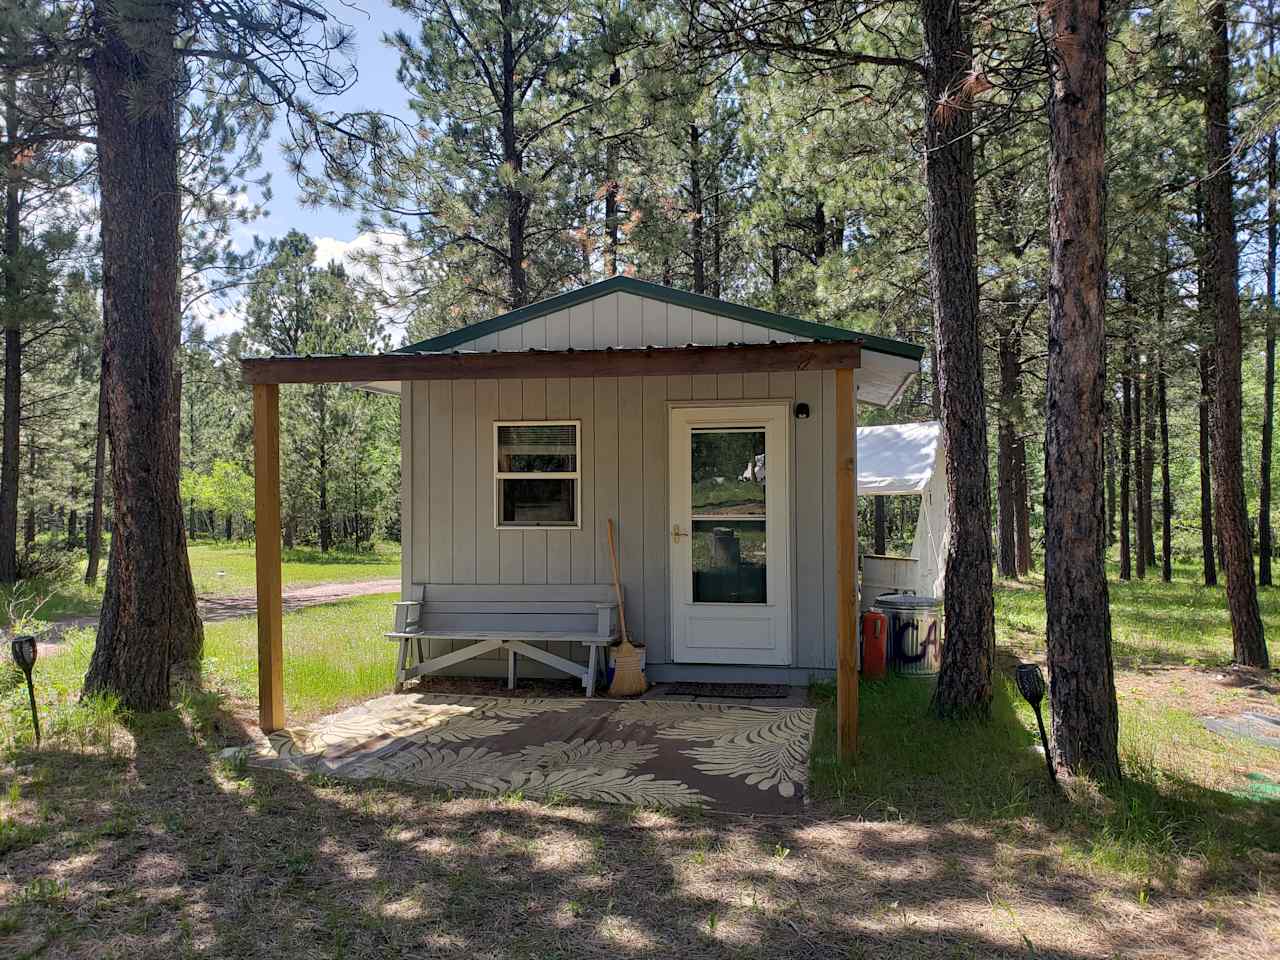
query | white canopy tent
(907,458)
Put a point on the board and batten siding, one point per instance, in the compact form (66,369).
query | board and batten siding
(448,532)
(626,320)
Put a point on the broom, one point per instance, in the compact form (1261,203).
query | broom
(628,676)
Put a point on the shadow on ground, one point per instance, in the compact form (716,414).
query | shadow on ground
(162,851)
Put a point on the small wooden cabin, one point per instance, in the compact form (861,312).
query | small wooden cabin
(718,437)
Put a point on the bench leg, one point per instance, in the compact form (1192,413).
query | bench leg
(591,671)
(402,664)
(511,669)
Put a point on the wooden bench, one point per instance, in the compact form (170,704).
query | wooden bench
(505,617)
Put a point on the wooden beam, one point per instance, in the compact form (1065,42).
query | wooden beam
(266,498)
(650,361)
(846,566)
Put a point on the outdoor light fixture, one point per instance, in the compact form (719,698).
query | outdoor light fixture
(1031,685)
(24,655)
(802,411)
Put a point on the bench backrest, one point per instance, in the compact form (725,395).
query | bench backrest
(556,608)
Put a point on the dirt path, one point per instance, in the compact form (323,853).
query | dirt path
(217,609)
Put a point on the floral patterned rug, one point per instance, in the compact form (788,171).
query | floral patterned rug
(643,752)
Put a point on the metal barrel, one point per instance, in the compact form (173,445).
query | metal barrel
(915,633)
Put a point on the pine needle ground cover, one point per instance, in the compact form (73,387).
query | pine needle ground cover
(128,837)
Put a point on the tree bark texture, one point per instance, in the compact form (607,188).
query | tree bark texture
(965,680)
(149,619)
(1148,460)
(1081,676)
(1166,484)
(1223,277)
(878,545)
(93,531)
(1022,503)
(1110,442)
(11,450)
(1126,459)
(1139,468)
(697,243)
(1208,558)
(1006,455)
(1265,542)
(513,157)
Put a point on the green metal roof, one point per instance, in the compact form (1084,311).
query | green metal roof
(655,291)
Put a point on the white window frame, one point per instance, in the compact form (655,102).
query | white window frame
(576,475)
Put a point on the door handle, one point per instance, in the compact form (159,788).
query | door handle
(676,534)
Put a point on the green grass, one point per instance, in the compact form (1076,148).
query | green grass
(334,654)
(221,569)
(1183,622)
(914,767)
(1182,799)
(218,569)
(1184,793)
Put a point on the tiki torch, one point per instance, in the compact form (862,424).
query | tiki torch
(24,655)
(1031,685)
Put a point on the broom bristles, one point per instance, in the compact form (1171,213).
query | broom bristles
(628,677)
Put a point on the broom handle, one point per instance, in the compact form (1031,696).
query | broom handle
(617,586)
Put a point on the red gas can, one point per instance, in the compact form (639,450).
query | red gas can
(875,634)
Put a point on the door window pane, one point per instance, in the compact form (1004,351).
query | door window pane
(729,561)
(728,473)
(728,516)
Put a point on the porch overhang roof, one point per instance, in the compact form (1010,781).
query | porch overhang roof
(372,370)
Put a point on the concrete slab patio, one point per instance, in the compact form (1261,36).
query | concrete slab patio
(729,757)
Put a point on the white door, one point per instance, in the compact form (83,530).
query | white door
(730,534)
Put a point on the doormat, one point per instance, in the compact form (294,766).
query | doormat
(729,691)
(730,757)
(1261,728)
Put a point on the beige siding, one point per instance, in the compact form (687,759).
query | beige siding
(626,320)
(447,442)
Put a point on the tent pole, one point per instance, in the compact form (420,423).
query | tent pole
(846,565)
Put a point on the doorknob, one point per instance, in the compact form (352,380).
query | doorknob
(676,534)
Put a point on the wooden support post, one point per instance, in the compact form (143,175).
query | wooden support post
(846,566)
(266,491)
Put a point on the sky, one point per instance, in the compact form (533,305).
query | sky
(333,230)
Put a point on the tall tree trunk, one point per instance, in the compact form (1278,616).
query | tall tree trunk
(878,546)
(1006,512)
(1006,453)
(1265,545)
(1110,442)
(965,681)
(1126,433)
(11,450)
(1082,692)
(29,522)
(1166,486)
(516,201)
(93,534)
(819,232)
(611,193)
(717,246)
(1149,461)
(1022,504)
(1223,276)
(1139,469)
(1208,557)
(149,620)
(697,244)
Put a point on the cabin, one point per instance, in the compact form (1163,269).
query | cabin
(719,438)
